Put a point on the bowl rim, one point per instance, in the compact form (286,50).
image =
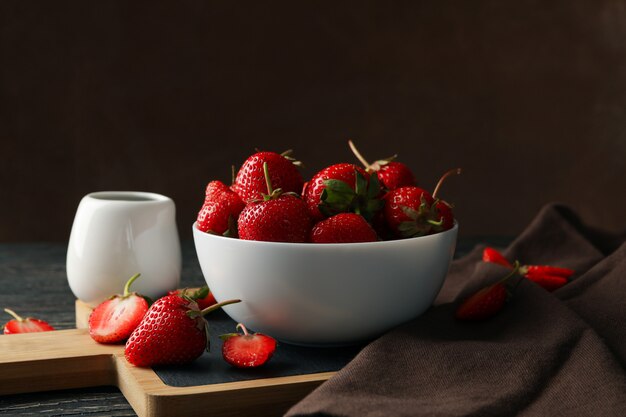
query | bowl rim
(453,229)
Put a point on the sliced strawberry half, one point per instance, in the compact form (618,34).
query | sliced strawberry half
(247,350)
(115,319)
(24,325)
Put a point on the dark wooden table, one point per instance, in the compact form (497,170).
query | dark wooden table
(33,282)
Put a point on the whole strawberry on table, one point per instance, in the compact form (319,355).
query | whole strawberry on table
(342,203)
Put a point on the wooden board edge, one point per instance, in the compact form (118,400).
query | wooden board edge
(150,397)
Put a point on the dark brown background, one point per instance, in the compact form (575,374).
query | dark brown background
(529,97)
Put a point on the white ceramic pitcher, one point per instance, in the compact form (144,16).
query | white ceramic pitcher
(117,234)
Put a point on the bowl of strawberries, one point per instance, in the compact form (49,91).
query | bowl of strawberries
(338,260)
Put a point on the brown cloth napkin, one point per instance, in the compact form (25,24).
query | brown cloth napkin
(545,354)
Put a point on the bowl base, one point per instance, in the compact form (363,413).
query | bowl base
(325,345)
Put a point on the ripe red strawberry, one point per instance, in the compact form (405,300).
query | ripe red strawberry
(483,304)
(214,189)
(202,295)
(247,350)
(548,282)
(408,212)
(250,182)
(546,270)
(278,218)
(173,331)
(394,175)
(391,174)
(412,211)
(343,228)
(486,302)
(24,325)
(550,278)
(343,188)
(219,214)
(491,255)
(115,319)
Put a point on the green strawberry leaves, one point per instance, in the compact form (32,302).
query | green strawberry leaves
(364,198)
(422,221)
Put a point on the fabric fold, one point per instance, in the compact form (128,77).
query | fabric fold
(560,353)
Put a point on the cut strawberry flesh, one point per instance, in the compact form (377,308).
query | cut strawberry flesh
(28,325)
(247,351)
(114,320)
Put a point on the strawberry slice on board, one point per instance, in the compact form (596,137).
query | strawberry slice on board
(113,320)
(24,325)
(247,350)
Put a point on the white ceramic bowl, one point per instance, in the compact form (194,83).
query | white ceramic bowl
(325,294)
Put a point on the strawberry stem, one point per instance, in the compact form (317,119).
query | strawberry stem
(129,283)
(232,174)
(455,171)
(14,314)
(358,155)
(243,328)
(218,305)
(510,274)
(268,181)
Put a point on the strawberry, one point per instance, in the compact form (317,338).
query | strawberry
(219,214)
(391,174)
(550,278)
(202,295)
(214,189)
(343,188)
(548,282)
(250,181)
(278,218)
(493,256)
(173,331)
(486,302)
(247,350)
(24,325)
(343,228)
(546,270)
(412,211)
(113,320)
(408,212)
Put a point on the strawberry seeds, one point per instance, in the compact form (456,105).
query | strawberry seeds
(341,203)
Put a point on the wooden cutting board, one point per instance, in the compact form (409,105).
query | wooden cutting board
(66,359)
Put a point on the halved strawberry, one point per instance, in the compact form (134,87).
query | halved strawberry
(247,350)
(201,295)
(25,325)
(115,319)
